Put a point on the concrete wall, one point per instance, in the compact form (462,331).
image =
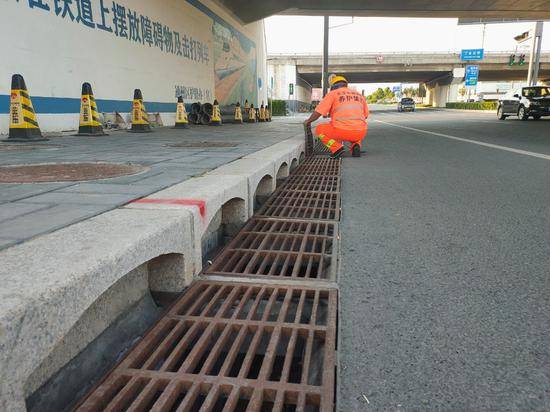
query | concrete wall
(201,54)
(280,77)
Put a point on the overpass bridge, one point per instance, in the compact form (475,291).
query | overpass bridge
(434,69)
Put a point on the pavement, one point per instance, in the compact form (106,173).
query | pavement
(29,210)
(445,291)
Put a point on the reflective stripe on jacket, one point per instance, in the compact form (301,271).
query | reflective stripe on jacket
(347,108)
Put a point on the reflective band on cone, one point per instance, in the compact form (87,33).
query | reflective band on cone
(140,119)
(181,115)
(90,121)
(23,123)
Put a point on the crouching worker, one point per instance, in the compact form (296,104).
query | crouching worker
(348,113)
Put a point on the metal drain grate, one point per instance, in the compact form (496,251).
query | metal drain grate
(291,204)
(231,347)
(321,166)
(280,249)
(318,183)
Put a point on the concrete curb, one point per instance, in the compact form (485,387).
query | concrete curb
(50,283)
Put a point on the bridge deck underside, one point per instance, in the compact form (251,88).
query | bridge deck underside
(391,75)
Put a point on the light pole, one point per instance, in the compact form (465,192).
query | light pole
(324,78)
(534,57)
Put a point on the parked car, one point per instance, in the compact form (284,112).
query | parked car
(533,101)
(406,104)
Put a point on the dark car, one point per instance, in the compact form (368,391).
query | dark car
(406,104)
(528,102)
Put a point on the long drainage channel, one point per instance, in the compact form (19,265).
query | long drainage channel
(257,331)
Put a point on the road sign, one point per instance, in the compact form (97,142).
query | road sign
(396,89)
(472,75)
(379,59)
(471,54)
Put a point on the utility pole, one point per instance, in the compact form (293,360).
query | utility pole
(324,78)
(534,57)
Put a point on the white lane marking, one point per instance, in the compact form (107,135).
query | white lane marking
(461,139)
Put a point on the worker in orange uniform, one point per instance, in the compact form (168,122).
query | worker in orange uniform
(348,113)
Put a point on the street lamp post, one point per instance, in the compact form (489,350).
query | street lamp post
(534,58)
(324,78)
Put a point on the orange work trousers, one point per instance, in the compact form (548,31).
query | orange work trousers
(332,137)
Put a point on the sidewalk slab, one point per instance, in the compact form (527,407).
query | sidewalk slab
(167,165)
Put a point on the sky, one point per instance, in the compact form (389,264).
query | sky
(302,34)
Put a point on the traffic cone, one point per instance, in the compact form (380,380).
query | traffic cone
(23,124)
(140,119)
(267,114)
(181,115)
(238,113)
(216,115)
(89,124)
(252,114)
(262,113)
(246,108)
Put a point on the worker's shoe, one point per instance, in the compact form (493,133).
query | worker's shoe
(356,150)
(337,154)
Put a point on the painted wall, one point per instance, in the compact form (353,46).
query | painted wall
(164,47)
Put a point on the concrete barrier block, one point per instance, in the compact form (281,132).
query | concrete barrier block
(260,176)
(210,200)
(49,282)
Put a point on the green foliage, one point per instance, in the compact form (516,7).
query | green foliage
(380,95)
(410,92)
(473,105)
(278,107)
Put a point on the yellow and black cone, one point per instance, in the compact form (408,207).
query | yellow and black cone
(23,124)
(140,119)
(252,114)
(182,122)
(238,113)
(216,115)
(90,122)
(261,116)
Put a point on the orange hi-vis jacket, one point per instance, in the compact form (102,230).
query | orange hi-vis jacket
(347,108)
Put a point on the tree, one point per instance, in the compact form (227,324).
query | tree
(411,91)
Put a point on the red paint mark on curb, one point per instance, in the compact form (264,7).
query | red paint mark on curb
(201,204)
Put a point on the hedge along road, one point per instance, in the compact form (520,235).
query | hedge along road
(444,278)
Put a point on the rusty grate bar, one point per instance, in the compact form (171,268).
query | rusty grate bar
(231,347)
(320,149)
(309,141)
(280,249)
(319,166)
(291,204)
(320,183)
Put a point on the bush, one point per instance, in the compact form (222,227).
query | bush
(473,105)
(278,107)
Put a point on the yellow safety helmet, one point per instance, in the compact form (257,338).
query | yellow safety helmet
(333,79)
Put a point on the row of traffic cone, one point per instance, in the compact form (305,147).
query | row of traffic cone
(253,115)
(24,125)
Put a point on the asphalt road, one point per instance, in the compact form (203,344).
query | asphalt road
(445,275)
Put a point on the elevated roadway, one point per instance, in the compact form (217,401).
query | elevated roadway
(413,67)
(249,12)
